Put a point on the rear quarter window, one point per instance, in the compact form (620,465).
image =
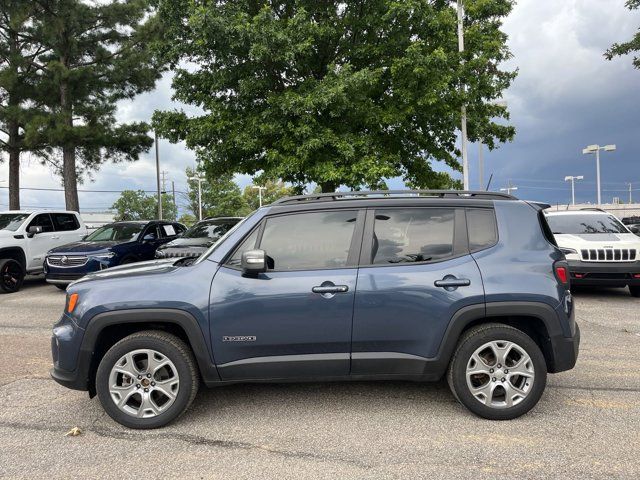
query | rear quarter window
(482,228)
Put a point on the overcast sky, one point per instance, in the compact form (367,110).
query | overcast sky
(566,96)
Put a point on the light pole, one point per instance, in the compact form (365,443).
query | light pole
(463,109)
(630,196)
(158,177)
(573,191)
(509,188)
(199,180)
(260,189)
(591,149)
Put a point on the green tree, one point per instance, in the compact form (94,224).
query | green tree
(138,205)
(633,45)
(221,197)
(272,192)
(187,219)
(96,54)
(337,93)
(18,77)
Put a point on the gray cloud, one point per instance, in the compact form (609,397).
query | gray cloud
(565,97)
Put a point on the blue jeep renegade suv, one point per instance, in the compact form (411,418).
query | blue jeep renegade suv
(410,285)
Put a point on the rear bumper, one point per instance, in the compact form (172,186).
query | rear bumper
(610,274)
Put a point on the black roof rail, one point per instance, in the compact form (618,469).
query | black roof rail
(359,195)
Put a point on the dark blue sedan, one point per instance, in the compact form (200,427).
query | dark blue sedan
(114,244)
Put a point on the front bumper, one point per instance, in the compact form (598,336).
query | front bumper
(66,275)
(70,362)
(606,274)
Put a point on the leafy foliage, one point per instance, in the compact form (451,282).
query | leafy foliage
(221,197)
(93,55)
(633,45)
(18,80)
(337,93)
(272,192)
(138,205)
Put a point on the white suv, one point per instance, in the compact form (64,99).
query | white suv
(26,237)
(599,248)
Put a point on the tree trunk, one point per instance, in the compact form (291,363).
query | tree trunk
(328,187)
(13,141)
(69,174)
(14,177)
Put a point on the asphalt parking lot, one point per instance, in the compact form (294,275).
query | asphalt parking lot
(587,424)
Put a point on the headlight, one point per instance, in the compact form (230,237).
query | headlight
(104,256)
(568,251)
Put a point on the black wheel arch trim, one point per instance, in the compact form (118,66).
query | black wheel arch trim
(181,318)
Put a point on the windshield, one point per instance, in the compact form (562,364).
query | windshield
(212,229)
(585,224)
(221,240)
(123,232)
(12,221)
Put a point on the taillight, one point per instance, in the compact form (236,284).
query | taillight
(562,273)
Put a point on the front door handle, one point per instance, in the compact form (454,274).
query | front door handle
(323,289)
(450,282)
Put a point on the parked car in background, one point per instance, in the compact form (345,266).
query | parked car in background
(25,238)
(197,239)
(343,286)
(114,244)
(600,250)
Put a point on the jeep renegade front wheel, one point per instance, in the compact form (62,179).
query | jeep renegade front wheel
(497,371)
(147,379)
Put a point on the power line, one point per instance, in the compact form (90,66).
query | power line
(43,189)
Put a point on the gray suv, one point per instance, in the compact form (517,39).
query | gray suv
(411,285)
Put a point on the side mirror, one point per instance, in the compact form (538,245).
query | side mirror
(31,231)
(253,262)
(635,230)
(149,238)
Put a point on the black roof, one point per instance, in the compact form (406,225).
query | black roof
(393,194)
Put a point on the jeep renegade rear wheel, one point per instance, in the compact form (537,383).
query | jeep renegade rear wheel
(11,275)
(497,371)
(147,379)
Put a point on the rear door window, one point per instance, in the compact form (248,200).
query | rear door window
(412,235)
(65,222)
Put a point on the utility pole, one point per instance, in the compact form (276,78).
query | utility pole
(509,188)
(173,189)
(630,196)
(463,110)
(260,189)
(158,177)
(573,191)
(591,149)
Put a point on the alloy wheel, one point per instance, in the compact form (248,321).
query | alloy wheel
(143,383)
(500,374)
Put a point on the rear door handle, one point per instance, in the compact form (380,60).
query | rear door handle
(450,282)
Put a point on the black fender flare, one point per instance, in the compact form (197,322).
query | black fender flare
(480,312)
(181,318)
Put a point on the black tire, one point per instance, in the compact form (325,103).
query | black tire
(60,287)
(171,347)
(474,339)
(11,275)
(634,290)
